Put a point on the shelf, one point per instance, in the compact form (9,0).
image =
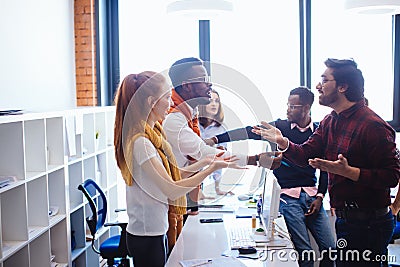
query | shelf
(11,186)
(101,170)
(75,178)
(11,247)
(100,131)
(33,175)
(52,168)
(55,142)
(89,168)
(56,219)
(13,217)
(40,250)
(110,120)
(77,253)
(35,146)
(38,209)
(42,213)
(35,231)
(79,260)
(12,150)
(78,234)
(112,168)
(19,258)
(73,140)
(59,241)
(112,203)
(88,134)
(56,184)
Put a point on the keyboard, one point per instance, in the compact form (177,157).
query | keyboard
(241,237)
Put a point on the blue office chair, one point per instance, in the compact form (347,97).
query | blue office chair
(396,232)
(114,248)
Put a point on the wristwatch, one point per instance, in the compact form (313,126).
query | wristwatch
(257,158)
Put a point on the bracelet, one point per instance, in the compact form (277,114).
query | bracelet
(284,150)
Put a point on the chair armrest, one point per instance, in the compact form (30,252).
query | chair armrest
(119,210)
(120,224)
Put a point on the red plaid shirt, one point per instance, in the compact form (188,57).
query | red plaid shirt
(368,143)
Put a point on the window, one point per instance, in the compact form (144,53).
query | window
(261,41)
(366,38)
(150,39)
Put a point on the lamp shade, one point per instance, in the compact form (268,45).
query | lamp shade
(373,6)
(200,9)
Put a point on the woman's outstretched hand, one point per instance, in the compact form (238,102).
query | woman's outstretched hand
(219,162)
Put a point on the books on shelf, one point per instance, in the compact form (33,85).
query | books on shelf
(6,180)
(5,112)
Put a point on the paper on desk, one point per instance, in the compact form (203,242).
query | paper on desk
(245,211)
(220,209)
(225,261)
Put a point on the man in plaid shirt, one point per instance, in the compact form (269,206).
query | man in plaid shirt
(357,148)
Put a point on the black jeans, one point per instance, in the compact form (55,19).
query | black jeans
(363,242)
(147,251)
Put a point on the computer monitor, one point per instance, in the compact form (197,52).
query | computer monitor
(270,208)
(258,181)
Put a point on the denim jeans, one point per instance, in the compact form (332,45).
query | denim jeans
(298,224)
(363,242)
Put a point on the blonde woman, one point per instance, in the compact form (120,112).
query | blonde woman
(153,180)
(211,119)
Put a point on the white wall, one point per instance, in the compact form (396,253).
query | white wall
(37,65)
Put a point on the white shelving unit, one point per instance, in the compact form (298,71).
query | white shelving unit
(48,155)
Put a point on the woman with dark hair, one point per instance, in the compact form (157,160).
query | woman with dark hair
(211,119)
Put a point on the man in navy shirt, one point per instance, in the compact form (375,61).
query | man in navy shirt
(301,203)
(357,148)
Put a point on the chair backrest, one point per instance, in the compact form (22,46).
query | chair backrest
(97,203)
(396,231)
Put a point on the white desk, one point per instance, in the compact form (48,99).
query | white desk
(210,240)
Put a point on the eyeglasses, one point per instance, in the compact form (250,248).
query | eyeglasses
(293,107)
(324,81)
(203,79)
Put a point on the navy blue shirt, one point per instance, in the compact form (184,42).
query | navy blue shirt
(289,175)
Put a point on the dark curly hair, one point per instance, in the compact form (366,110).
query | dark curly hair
(345,71)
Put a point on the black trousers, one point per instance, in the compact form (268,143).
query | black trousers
(147,251)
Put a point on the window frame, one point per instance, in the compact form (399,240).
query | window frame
(111,57)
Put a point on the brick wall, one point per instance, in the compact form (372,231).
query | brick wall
(85,52)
